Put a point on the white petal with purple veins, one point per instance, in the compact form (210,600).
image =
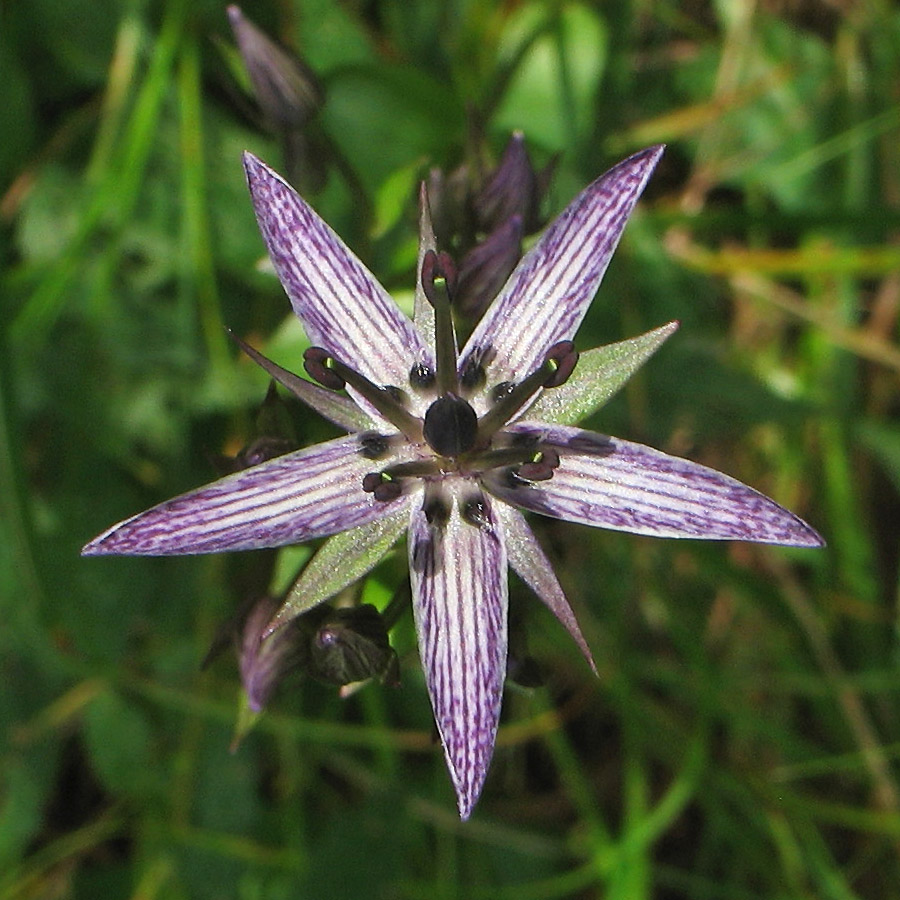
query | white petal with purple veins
(459,585)
(616,484)
(303,495)
(550,290)
(342,307)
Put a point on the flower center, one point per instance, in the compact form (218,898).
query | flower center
(460,441)
(451,426)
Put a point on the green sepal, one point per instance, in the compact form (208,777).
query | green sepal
(335,407)
(341,560)
(245,722)
(599,375)
(423,312)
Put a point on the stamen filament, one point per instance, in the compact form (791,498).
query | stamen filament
(381,398)
(438,278)
(556,368)
(505,456)
(417,468)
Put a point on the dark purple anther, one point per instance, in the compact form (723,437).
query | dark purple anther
(565,356)
(317,362)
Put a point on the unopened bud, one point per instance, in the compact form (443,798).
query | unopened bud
(286,89)
(275,436)
(485,268)
(350,644)
(511,189)
(449,201)
(265,661)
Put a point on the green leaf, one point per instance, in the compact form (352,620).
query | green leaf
(330,36)
(341,560)
(883,441)
(118,740)
(392,197)
(599,375)
(552,93)
(17,114)
(23,796)
(386,118)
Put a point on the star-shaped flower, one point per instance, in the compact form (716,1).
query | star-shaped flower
(452,446)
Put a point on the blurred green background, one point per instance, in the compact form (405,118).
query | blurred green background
(742,739)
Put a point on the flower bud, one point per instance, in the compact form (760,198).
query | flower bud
(351,644)
(449,202)
(274,436)
(485,268)
(265,661)
(286,89)
(513,188)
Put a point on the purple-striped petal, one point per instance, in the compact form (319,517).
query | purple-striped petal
(550,290)
(308,494)
(616,484)
(528,559)
(342,307)
(459,586)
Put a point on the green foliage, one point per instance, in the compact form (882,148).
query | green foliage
(741,740)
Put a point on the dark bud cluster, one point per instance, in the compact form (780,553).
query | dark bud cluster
(334,645)
(274,436)
(484,216)
(513,188)
(485,268)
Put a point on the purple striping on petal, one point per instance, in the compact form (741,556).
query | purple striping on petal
(459,587)
(303,495)
(342,307)
(548,294)
(625,486)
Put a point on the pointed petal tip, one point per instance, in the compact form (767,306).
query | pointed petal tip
(258,171)
(468,785)
(104,544)
(644,160)
(254,166)
(806,536)
(654,152)
(235,16)
(466,805)
(459,590)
